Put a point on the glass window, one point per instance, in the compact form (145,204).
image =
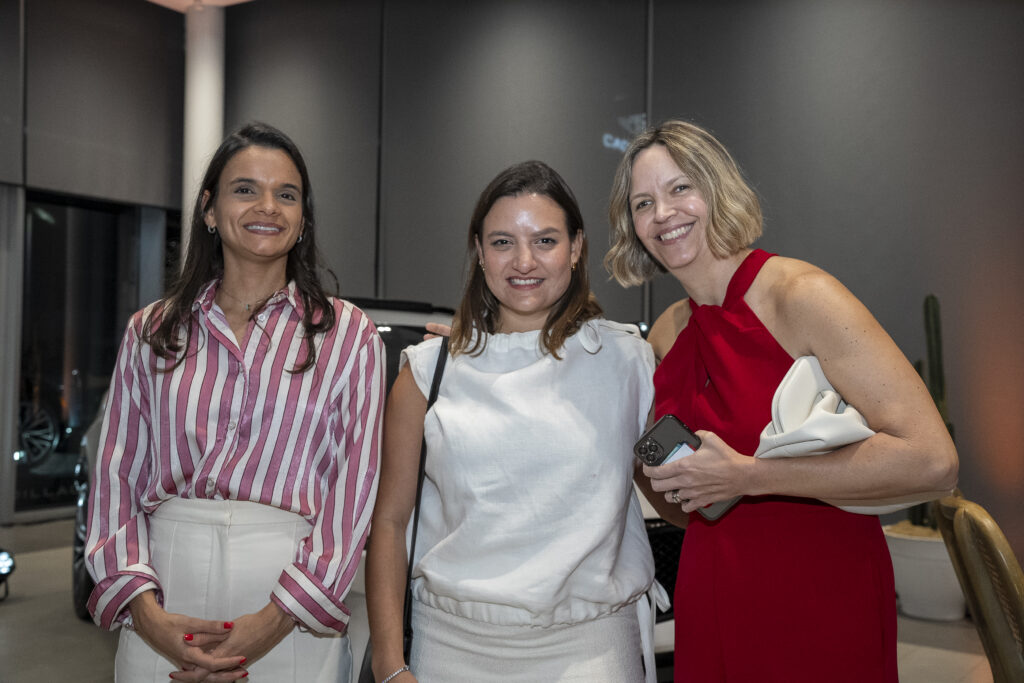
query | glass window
(80,286)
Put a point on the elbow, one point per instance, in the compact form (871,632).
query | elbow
(944,466)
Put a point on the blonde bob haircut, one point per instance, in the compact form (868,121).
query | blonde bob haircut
(734,211)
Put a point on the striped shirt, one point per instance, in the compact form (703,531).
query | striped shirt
(232,423)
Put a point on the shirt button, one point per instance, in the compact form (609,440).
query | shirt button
(262,317)
(209,485)
(232,425)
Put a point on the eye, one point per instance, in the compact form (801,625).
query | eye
(550,241)
(243,189)
(289,196)
(682,187)
(642,204)
(500,242)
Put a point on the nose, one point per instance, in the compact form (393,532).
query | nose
(524,261)
(663,211)
(267,203)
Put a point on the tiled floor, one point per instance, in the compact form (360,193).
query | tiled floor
(41,640)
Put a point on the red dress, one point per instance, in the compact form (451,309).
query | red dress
(779,589)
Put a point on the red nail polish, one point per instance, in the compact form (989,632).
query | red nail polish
(244,660)
(188,637)
(245,675)
(229,624)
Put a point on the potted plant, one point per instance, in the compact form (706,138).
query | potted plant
(926,582)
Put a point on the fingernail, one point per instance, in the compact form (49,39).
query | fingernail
(245,675)
(244,660)
(229,624)
(188,637)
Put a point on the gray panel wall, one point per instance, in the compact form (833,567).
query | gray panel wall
(884,139)
(104,99)
(473,87)
(11,102)
(313,70)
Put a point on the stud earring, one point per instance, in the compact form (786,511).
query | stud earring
(572,268)
(482,266)
(300,238)
(211,229)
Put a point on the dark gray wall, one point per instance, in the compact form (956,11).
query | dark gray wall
(104,90)
(885,141)
(313,70)
(11,103)
(473,87)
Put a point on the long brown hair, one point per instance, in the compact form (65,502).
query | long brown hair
(204,258)
(479,309)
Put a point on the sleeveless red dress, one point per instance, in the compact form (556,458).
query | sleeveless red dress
(779,589)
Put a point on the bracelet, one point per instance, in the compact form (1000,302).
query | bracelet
(395,673)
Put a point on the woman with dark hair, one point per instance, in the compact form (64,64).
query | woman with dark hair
(782,587)
(531,553)
(239,449)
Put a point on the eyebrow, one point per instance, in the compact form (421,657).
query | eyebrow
(671,181)
(505,233)
(287,186)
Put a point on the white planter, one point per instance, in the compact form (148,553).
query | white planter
(925,579)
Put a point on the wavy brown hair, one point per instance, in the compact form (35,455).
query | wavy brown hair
(204,257)
(479,309)
(733,208)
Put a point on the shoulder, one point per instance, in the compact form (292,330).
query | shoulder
(667,327)
(799,302)
(624,338)
(350,319)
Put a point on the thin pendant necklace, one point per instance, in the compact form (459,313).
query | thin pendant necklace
(247,305)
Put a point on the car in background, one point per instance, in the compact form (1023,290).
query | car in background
(399,323)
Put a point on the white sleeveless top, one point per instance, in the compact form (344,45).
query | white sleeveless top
(529,516)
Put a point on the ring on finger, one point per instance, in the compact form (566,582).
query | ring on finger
(675,497)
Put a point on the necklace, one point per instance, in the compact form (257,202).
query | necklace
(247,305)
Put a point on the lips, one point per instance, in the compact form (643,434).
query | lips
(675,233)
(264,228)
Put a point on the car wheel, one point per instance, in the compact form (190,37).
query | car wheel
(81,583)
(38,431)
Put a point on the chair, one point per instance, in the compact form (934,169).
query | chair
(992,580)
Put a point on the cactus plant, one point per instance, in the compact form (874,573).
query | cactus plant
(934,377)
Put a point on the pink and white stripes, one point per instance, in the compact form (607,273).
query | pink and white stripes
(231,422)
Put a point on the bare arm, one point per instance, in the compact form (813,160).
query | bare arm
(386,561)
(810,312)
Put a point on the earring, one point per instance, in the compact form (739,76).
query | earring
(300,238)
(572,268)
(211,229)
(482,266)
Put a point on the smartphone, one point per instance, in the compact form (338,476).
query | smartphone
(667,441)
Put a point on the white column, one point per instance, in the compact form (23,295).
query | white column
(204,100)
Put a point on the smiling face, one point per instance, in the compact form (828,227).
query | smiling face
(527,257)
(669,214)
(258,207)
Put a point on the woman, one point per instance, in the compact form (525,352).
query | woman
(531,551)
(239,450)
(783,587)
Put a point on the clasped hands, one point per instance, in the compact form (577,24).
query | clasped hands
(714,472)
(206,650)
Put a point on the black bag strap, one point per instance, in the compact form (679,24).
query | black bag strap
(442,356)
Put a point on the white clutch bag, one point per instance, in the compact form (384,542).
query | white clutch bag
(810,418)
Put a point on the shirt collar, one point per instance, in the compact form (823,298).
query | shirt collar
(288,293)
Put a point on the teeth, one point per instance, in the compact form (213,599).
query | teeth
(524,281)
(678,232)
(262,228)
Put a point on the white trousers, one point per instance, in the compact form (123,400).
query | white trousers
(220,559)
(448,648)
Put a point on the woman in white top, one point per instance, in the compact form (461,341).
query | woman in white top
(531,551)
